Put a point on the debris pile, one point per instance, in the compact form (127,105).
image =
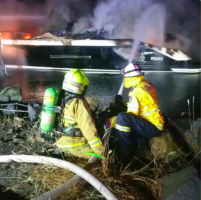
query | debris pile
(11,94)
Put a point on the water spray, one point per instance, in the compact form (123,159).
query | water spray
(121,88)
(150,17)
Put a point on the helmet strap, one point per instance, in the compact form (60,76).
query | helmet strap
(84,91)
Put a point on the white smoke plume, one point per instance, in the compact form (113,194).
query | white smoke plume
(122,18)
(119,19)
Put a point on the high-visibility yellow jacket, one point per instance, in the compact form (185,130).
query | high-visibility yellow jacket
(143,102)
(77,111)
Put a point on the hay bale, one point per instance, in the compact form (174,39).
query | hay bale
(164,147)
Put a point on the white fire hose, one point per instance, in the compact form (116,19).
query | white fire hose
(66,186)
(63,164)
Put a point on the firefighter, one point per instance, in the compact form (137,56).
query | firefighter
(117,107)
(80,137)
(143,118)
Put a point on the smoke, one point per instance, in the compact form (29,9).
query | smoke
(62,14)
(183,21)
(118,19)
(20,17)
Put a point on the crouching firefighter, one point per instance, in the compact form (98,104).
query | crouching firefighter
(143,118)
(80,137)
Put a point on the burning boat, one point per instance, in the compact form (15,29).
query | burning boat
(49,51)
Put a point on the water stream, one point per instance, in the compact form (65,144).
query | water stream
(152,17)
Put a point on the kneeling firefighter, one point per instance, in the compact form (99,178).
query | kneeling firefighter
(80,137)
(143,118)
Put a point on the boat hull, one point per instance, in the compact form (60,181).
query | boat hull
(186,71)
(88,57)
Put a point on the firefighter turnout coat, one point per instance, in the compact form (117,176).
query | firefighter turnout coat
(76,112)
(143,102)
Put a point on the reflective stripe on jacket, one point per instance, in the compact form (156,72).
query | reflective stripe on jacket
(68,120)
(77,110)
(143,102)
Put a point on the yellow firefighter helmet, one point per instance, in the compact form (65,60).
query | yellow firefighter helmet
(75,81)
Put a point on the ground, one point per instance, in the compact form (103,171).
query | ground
(138,180)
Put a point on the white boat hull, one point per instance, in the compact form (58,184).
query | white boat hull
(187,71)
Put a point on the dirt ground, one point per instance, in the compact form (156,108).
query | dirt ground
(18,138)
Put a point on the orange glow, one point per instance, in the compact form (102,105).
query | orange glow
(26,36)
(2,48)
(9,51)
(6,35)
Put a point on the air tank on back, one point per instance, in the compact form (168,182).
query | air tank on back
(48,116)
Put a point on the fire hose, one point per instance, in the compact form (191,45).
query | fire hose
(66,165)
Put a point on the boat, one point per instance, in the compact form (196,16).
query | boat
(187,71)
(48,51)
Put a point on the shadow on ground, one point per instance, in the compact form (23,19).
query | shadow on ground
(9,195)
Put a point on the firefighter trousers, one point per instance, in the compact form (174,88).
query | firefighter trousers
(130,131)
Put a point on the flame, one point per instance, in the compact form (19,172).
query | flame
(26,36)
